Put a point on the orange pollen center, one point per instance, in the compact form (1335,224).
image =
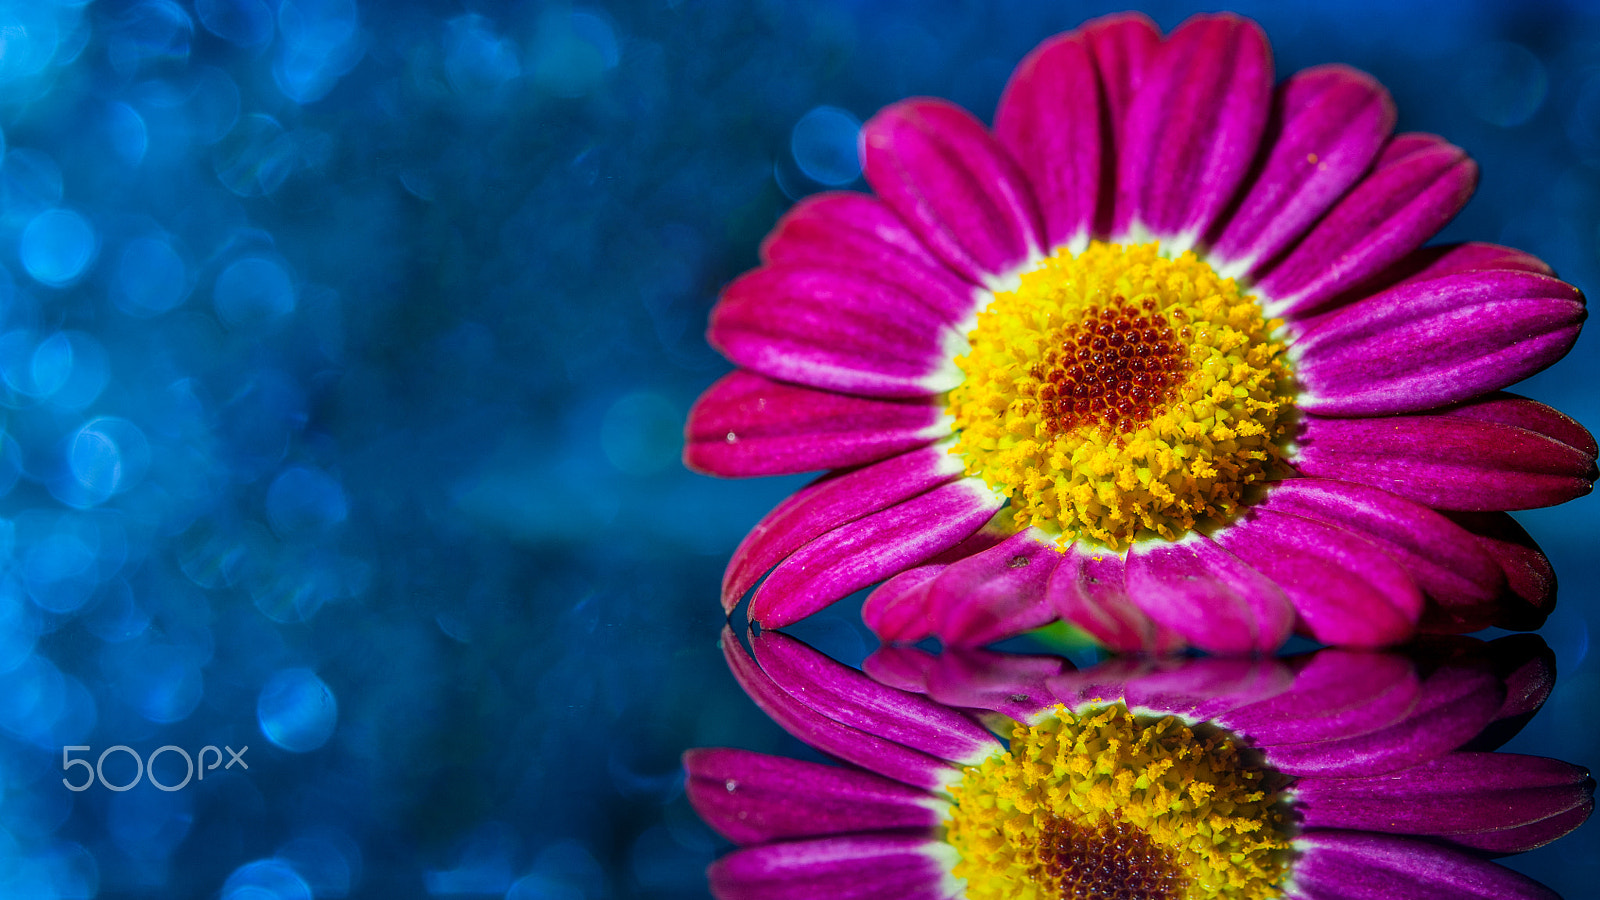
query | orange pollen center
(1117,366)
(1115,861)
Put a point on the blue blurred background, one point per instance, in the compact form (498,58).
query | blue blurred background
(344,349)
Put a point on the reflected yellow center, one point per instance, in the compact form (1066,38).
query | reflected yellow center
(1109,805)
(1117,395)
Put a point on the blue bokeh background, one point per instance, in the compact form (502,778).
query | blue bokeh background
(344,348)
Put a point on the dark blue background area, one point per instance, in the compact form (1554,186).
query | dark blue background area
(344,352)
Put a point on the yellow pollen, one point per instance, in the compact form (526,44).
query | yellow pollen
(1110,805)
(1118,395)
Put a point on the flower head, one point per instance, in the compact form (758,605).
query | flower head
(1341,775)
(1161,355)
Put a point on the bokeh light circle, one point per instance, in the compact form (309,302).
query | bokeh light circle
(1504,83)
(478,61)
(30,184)
(254,157)
(31,39)
(130,138)
(296,710)
(59,572)
(151,278)
(326,858)
(642,433)
(573,52)
(247,23)
(71,368)
(17,636)
(252,292)
(57,246)
(824,146)
(265,879)
(168,688)
(108,455)
(305,500)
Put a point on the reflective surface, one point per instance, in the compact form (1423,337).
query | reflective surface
(344,348)
(1333,774)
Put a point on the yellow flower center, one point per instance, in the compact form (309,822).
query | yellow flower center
(1104,803)
(1117,395)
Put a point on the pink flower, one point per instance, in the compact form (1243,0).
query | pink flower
(1161,355)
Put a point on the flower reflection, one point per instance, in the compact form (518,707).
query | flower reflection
(1335,775)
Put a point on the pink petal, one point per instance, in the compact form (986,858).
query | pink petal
(1050,119)
(1444,559)
(871,549)
(1527,667)
(753,798)
(746,425)
(1454,704)
(1530,579)
(1328,125)
(1339,694)
(865,749)
(900,667)
(897,610)
(1428,344)
(1404,145)
(955,186)
(1193,128)
(829,503)
(1448,461)
(845,227)
(1208,596)
(1344,865)
(1533,835)
(837,330)
(1453,259)
(1108,681)
(856,231)
(1420,183)
(849,697)
(1482,800)
(1346,589)
(995,594)
(1428,263)
(1010,684)
(843,867)
(1511,409)
(1087,589)
(1208,688)
(1123,46)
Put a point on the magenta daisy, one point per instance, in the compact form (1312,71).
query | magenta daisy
(1342,775)
(1161,355)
